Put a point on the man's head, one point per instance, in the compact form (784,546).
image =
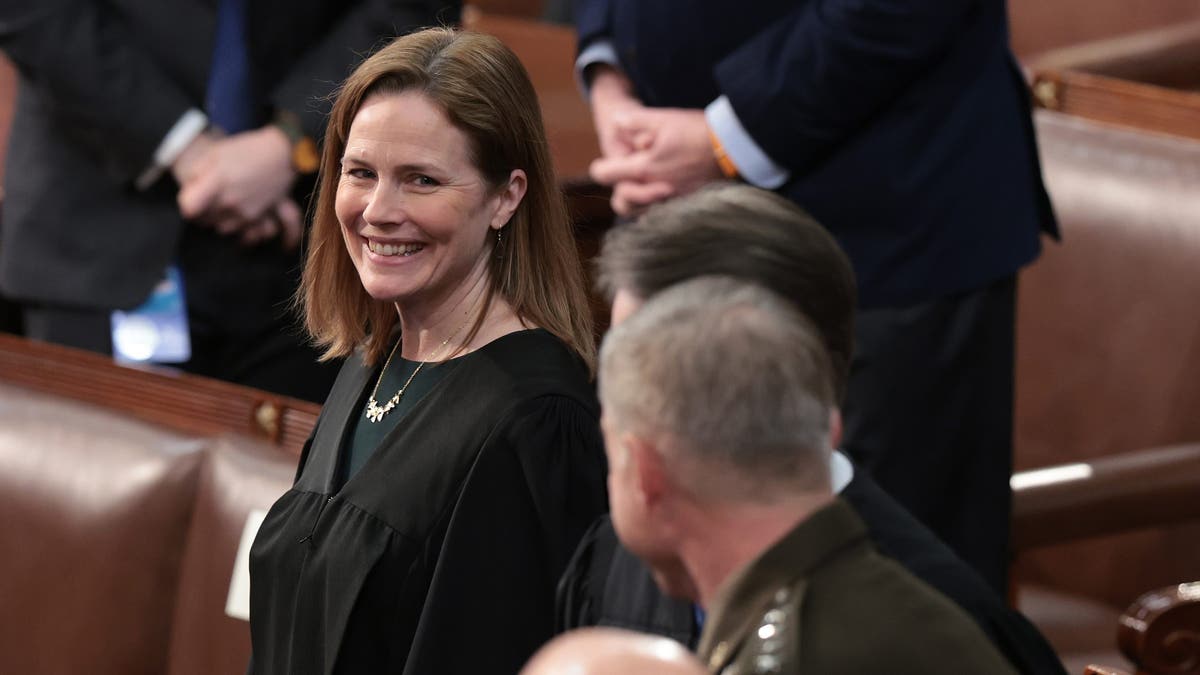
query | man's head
(715,392)
(739,231)
(609,651)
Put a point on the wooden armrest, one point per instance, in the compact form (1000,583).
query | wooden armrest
(187,403)
(1111,494)
(1160,631)
(1146,80)
(1101,670)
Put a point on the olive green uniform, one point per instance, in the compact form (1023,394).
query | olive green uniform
(822,600)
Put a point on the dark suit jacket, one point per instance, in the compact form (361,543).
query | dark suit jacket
(606,585)
(821,600)
(100,84)
(904,123)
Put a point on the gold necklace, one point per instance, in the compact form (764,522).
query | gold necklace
(375,412)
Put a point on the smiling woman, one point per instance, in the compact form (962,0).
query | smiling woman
(416,213)
(458,458)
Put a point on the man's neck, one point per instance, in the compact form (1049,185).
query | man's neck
(725,538)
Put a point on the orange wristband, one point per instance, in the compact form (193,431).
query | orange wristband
(728,168)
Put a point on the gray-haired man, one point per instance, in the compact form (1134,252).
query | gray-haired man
(719,421)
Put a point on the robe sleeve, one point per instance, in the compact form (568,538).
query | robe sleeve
(575,604)
(535,487)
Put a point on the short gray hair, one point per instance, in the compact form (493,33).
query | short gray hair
(728,373)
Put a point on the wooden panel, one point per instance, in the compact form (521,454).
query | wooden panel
(548,53)
(184,402)
(529,9)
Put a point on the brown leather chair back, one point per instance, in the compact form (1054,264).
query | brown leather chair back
(1108,337)
(123,498)
(1038,26)
(94,510)
(238,476)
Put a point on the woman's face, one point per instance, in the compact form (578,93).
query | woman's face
(417,217)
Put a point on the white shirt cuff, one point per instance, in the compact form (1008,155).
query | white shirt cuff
(600,51)
(754,166)
(190,125)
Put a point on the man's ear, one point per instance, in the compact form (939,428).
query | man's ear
(650,470)
(835,428)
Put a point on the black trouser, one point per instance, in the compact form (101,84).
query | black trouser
(929,414)
(239,319)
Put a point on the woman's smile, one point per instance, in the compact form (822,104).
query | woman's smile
(393,250)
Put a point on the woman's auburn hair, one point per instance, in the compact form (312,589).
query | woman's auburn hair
(485,92)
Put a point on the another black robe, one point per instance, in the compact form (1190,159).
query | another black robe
(442,553)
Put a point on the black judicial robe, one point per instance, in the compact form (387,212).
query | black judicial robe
(442,553)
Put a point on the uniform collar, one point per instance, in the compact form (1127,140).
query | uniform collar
(740,601)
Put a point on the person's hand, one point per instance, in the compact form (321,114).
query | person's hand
(240,185)
(672,155)
(285,220)
(611,97)
(188,163)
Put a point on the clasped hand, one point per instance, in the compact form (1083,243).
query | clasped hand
(648,154)
(240,186)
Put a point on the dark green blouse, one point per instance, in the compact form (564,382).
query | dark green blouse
(366,436)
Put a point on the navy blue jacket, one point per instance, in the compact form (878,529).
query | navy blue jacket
(905,124)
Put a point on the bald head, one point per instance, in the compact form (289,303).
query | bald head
(609,651)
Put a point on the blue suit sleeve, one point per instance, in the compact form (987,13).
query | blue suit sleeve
(591,21)
(824,71)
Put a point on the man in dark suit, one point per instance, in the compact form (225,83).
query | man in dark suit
(719,419)
(153,133)
(757,236)
(903,126)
